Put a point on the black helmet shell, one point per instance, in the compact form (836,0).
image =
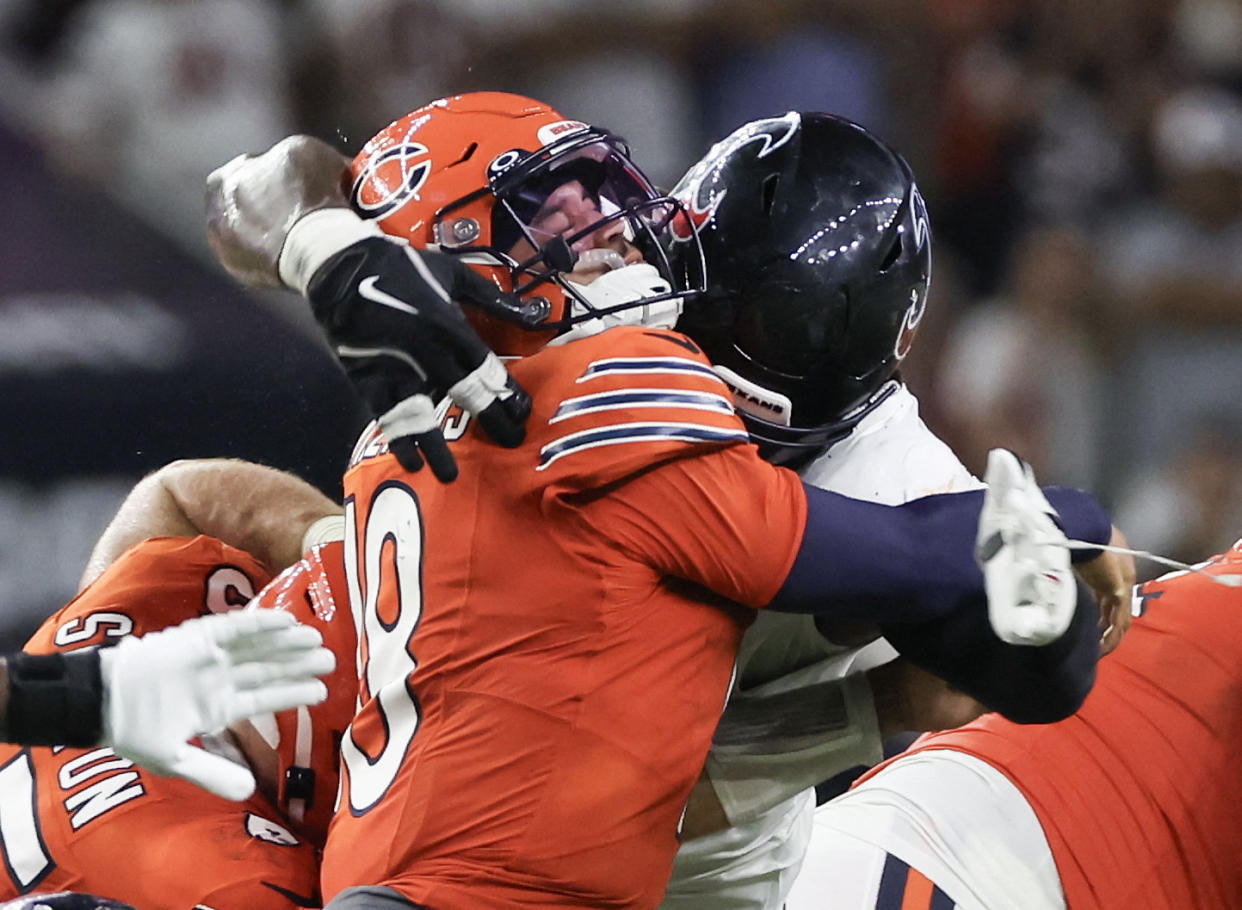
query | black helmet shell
(818,259)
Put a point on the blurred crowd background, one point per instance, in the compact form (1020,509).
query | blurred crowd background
(1082,163)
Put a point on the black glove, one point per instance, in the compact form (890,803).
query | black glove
(392,314)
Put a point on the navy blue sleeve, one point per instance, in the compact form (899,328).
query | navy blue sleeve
(910,570)
(1081,518)
(867,561)
(1027,684)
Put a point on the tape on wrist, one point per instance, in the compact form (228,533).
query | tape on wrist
(482,386)
(323,530)
(54,699)
(315,238)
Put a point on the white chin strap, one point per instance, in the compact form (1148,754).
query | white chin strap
(623,285)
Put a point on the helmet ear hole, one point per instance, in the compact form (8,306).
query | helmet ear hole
(466,155)
(769,192)
(892,256)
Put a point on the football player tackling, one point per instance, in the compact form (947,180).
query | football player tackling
(546,642)
(826,400)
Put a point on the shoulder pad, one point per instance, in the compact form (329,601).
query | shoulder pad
(614,404)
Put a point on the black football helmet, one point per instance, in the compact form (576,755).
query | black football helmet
(818,262)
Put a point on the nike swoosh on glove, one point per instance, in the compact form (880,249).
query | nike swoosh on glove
(394,316)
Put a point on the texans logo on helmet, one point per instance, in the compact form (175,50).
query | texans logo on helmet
(918,296)
(690,218)
(699,196)
(391,178)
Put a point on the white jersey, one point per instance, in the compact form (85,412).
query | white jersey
(890,457)
(960,822)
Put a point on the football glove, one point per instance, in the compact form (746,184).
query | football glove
(393,315)
(163,688)
(1024,556)
(282,218)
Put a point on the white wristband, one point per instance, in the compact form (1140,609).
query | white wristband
(317,236)
(324,530)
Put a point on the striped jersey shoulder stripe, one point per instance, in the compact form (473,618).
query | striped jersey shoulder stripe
(616,399)
(618,434)
(631,366)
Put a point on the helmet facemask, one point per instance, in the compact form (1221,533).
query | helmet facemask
(477,176)
(557,217)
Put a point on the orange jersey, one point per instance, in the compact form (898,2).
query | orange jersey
(542,666)
(1139,793)
(87,820)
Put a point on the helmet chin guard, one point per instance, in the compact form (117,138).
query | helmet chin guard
(608,302)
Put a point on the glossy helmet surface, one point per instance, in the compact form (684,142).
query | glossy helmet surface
(316,592)
(818,259)
(471,173)
(64,900)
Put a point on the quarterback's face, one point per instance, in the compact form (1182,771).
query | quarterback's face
(568,211)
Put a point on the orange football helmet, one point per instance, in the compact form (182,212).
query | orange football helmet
(307,740)
(482,176)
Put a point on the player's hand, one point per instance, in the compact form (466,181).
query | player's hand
(165,687)
(254,200)
(1111,578)
(1024,556)
(393,315)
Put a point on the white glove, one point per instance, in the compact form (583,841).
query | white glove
(1024,556)
(165,687)
(253,202)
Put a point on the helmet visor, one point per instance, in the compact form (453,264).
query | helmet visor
(587,196)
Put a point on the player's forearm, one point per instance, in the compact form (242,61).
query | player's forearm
(255,508)
(254,201)
(907,563)
(51,699)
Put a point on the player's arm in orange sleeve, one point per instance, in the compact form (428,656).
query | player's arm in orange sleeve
(261,510)
(756,534)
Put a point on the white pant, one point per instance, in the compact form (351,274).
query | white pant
(748,867)
(954,818)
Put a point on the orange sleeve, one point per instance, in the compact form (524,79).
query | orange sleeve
(726,520)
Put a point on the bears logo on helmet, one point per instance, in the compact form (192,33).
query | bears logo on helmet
(391,179)
(520,193)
